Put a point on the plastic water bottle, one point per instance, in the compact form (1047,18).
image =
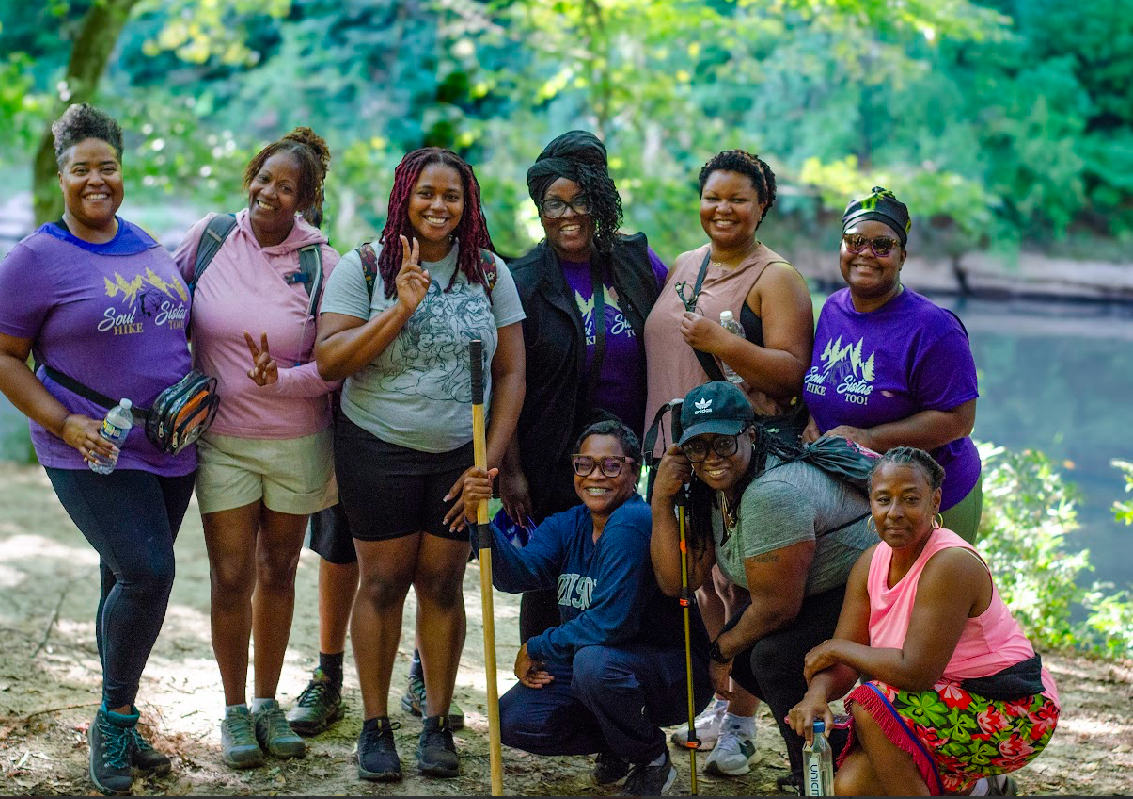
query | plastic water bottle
(732,326)
(818,763)
(116,425)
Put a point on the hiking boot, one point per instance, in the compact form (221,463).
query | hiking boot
(145,758)
(734,751)
(609,768)
(436,752)
(707,727)
(647,780)
(274,733)
(238,743)
(377,753)
(110,736)
(414,702)
(319,706)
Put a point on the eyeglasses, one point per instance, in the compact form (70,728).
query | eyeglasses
(554,207)
(611,465)
(696,450)
(881,245)
(689,302)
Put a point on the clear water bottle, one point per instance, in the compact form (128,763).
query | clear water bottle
(818,763)
(732,326)
(116,425)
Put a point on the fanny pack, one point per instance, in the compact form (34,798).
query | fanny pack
(179,414)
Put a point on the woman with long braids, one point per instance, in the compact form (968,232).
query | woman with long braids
(267,461)
(687,346)
(955,697)
(784,530)
(577,371)
(396,322)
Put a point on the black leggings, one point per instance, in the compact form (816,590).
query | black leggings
(131,518)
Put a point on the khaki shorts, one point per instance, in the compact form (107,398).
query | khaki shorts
(291,475)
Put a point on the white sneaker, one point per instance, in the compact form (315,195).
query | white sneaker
(707,726)
(735,748)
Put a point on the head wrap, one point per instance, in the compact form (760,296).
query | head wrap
(571,155)
(881,206)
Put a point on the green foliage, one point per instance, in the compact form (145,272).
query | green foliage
(1029,509)
(1123,509)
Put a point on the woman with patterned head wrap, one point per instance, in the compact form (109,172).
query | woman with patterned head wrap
(577,371)
(890,368)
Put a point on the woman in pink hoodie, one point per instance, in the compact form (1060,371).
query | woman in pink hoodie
(267,462)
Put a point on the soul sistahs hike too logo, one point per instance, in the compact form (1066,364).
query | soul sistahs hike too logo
(843,367)
(146,296)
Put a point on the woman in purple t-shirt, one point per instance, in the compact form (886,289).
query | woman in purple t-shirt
(101,302)
(890,368)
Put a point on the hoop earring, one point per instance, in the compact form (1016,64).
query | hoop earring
(870,525)
(937,521)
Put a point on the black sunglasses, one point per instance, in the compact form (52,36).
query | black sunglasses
(881,245)
(611,465)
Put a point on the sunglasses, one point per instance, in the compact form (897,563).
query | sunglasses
(555,208)
(881,245)
(696,450)
(611,465)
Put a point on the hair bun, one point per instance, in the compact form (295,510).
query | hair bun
(314,142)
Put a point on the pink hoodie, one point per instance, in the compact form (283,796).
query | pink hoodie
(244,289)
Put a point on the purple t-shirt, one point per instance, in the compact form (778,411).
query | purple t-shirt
(908,356)
(621,380)
(111,316)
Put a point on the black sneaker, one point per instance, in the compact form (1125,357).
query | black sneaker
(377,754)
(609,768)
(790,784)
(646,780)
(111,738)
(145,758)
(319,706)
(413,701)
(436,753)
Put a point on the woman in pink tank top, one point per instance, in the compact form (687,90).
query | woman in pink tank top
(958,696)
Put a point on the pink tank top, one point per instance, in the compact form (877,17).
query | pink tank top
(990,642)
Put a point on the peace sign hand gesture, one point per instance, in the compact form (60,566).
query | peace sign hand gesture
(412,280)
(264,369)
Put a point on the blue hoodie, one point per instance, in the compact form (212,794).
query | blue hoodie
(607,592)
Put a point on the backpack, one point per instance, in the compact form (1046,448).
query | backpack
(369,257)
(310,272)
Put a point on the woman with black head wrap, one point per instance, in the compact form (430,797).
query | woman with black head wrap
(577,371)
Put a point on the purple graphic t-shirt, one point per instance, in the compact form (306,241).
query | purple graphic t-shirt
(908,356)
(621,380)
(113,317)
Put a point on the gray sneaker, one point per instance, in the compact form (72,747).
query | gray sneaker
(238,742)
(275,734)
(319,706)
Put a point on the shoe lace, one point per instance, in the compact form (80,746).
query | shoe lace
(417,689)
(277,723)
(240,728)
(439,736)
(371,735)
(314,694)
(730,739)
(116,743)
(140,743)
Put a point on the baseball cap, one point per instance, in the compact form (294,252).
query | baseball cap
(716,407)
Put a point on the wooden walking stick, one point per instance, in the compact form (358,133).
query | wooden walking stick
(484,532)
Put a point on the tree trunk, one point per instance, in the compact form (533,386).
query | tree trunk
(98,36)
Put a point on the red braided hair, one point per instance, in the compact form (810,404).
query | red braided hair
(471,231)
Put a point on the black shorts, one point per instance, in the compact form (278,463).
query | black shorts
(330,536)
(389,491)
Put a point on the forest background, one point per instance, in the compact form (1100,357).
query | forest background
(1006,124)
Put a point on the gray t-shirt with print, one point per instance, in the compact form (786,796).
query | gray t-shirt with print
(417,392)
(791,503)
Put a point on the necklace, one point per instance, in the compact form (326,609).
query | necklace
(729,514)
(726,264)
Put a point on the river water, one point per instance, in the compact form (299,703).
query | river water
(1056,377)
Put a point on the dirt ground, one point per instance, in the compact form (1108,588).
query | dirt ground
(49,681)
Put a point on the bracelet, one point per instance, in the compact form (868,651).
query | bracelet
(715,654)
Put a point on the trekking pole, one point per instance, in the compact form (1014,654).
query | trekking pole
(484,532)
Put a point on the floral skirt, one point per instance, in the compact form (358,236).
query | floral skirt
(954,736)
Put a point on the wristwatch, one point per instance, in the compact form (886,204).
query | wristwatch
(714,653)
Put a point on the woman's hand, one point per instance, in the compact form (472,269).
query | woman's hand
(81,432)
(516,495)
(412,281)
(531,672)
(721,678)
(811,433)
(823,657)
(856,434)
(702,333)
(801,717)
(673,473)
(264,370)
(473,487)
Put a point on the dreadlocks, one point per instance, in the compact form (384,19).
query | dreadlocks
(313,156)
(471,232)
(761,176)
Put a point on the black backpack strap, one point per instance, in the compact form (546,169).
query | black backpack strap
(216,232)
(310,274)
(707,362)
(84,391)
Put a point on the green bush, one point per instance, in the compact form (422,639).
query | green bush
(1029,508)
